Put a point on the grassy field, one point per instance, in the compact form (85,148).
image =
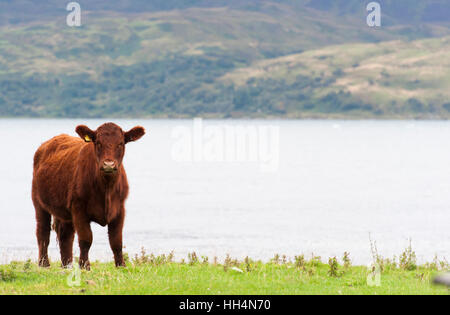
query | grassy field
(148,274)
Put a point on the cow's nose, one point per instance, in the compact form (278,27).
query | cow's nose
(109,164)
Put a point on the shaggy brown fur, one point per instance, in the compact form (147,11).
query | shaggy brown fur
(79,182)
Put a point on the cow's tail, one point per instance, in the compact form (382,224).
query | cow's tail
(54,224)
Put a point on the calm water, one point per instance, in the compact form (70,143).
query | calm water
(336,183)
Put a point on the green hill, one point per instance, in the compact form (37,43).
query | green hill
(391,79)
(218,58)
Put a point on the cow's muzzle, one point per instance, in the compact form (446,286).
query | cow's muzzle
(109,167)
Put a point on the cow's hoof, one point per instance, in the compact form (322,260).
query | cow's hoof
(44,263)
(67,263)
(85,265)
(121,265)
(67,266)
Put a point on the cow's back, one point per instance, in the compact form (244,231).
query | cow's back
(55,164)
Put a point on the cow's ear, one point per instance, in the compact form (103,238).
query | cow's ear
(85,133)
(134,134)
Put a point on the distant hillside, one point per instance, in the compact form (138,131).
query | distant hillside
(392,79)
(397,11)
(234,58)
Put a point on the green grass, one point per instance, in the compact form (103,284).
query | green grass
(160,275)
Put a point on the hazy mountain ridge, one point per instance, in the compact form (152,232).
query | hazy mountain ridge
(397,11)
(202,61)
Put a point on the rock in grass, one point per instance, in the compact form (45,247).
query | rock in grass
(237,269)
(443,279)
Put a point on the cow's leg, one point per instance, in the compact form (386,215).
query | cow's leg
(43,228)
(66,234)
(84,232)
(115,238)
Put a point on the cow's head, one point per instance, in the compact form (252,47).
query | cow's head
(109,141)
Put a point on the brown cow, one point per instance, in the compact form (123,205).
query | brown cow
(79,182)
